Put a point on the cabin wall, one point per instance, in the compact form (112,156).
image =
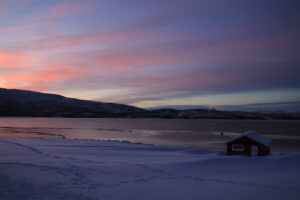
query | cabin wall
(247,142)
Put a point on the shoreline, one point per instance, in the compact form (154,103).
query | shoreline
(200,134)
(153,118)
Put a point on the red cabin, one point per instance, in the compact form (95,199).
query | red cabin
(249,143)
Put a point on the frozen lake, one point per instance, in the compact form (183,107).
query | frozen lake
(198,133)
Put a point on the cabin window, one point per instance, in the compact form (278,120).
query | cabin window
(237,147)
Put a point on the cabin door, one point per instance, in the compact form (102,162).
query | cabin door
(254,151)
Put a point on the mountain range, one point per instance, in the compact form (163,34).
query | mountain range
(23,103)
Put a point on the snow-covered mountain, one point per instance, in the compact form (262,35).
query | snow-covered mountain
(35,104)
(217,114)
(28,103)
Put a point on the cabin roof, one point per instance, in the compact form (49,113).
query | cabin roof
(254,136)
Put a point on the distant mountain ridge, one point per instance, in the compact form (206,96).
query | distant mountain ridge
(28,103)
(217,114)
(23,103)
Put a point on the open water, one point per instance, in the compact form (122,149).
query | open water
(190,133)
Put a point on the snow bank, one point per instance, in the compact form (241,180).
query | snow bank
(90,169)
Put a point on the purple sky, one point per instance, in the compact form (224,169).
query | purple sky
(153,53)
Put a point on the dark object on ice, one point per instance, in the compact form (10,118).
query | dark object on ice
(222,133)
(249,143)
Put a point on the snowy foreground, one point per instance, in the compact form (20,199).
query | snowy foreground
(89,169)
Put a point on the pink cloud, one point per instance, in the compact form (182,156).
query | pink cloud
(43,79)
(13,59)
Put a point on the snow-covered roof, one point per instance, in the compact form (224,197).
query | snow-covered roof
(254,136)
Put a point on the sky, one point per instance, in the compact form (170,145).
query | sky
(154,53)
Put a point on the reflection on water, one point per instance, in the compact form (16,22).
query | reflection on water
(175,132)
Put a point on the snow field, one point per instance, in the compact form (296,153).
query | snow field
(90,169)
